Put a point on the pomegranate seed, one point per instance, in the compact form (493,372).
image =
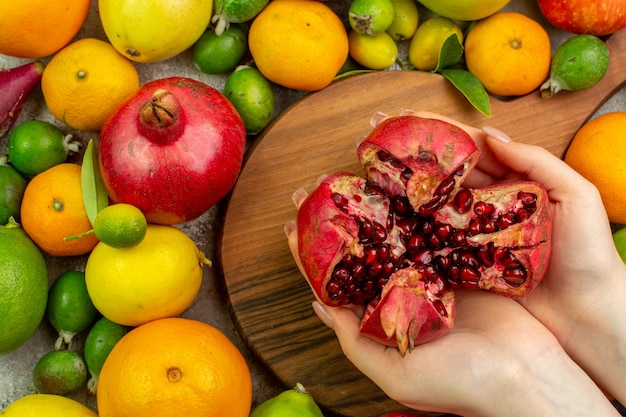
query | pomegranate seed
(375,269)
(427,226)
(469,259)
(527,199)
(469,274)
(445,187)
(415,242)
(340,201)
(440,307)
(463,201)
(490,226)
(515,275)
(506,220)
(402,206)
(474,227)
(457,238)
(433,205)
(483,209)
(485,254)
(425,156)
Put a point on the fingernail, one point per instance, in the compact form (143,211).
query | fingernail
(298,196)
(290,227)
(323,315)
(498,134)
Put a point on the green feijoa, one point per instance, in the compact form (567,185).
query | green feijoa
(12,186)
(252,95)
(100,340)
(36,145)
(578,63)
(227,12)
(59,372)
(69,309)
(371,17)
(218,54)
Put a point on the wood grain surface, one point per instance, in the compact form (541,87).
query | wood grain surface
(270,300)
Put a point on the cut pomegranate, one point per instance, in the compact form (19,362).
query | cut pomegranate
(401,240)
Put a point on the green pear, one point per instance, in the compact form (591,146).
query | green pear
(296,402)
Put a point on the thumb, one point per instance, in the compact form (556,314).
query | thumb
(535,163)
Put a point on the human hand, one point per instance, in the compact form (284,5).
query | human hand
(496,350)
(583,295)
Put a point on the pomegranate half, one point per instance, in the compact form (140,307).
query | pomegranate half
(402,238)
(173,150)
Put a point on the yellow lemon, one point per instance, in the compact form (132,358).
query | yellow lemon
(405,20)
(46,405)
(373,51)
(159,277)
(464,9)
(428,40)
(150,31)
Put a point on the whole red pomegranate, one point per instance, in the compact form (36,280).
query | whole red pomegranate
(173,150)
(403,238)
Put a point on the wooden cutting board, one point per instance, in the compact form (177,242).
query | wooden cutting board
(270,300)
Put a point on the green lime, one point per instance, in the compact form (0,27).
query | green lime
(405,20)
(235,11)
(217,54)
(23,287)
(101,338)
(578,63)
(371,17)
(120,225)
(252,95)
(35,146)
(619,237)
(59,372)
(70,310)
(425,47)
(12,186)
(375,52)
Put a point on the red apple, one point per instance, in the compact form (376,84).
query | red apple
(594,17)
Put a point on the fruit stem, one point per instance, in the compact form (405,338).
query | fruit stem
(70,145)
(87,233)
(161,118)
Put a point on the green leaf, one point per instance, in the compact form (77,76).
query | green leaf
(450,53)
(471,87)
(95,196)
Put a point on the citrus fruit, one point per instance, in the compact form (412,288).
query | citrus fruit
(217,54)
(159,277)
(299,44)
(154,30)
(33,29)
(619,238)
(405,21)
(509,53)
(428,39)
(174,367)
(100,340)
(227,12)
(578,63)
(252,95)
(120,225)
(12,186)
(464,9)
(52,209)
(373,51)
(596,152)
(86,81)
(69,310)
(371,17)
(47,405)
(37,145)
(23,287)
(59,372)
